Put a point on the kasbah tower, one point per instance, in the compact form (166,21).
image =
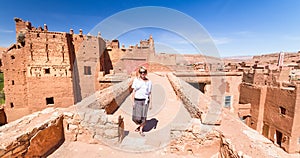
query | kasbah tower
(43,68)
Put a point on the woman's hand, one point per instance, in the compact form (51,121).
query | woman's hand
(150,105)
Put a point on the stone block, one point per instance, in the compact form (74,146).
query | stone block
(68,115)
(176,134)
(2,152)
(49,137)
(72,127)
(21,149)
(196,129)
(179,127)
(7,155)
(112,118)
(110,133)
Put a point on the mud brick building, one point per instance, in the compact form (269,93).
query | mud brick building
(273,109)
(126,60)
(47,68)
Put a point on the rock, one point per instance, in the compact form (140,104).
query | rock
(68,114)
(110,133)
(72,127)
(50,137)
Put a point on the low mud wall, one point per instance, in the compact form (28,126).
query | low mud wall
(201,140)
(34,135)
(197,104)
(110,98)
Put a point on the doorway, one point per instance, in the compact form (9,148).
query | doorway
(278,137)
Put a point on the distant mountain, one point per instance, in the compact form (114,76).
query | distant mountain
(238,58)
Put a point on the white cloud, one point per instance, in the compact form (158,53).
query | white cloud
(6,31)
(222,40)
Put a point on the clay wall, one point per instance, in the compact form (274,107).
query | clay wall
(227,82)
(274,118)
(189,59)
(259,78)
(64,65)
(127,60)
(44,131)
(165,59)
(295,136)
(115,56)
(14,66)
(251,94)
(89,51)
(248,77)
(49,68)
(131,60)
(47,48)
(13,114)
(22,26)
(41,132)
(275,99)
(232,84)
(49,91)
(273,113)
(196,103)
(105,61)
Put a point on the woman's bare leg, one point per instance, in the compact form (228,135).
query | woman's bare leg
(141,129)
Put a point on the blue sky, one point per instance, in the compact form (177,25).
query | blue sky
(237,27)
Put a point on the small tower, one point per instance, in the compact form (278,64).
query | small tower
(71,31)
(280,59)
(151,42)
(45,27)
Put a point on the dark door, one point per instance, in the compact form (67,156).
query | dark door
(278,137)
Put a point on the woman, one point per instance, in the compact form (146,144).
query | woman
(141,96)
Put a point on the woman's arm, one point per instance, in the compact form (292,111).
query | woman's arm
(132,96)
(150,101)
(150,95)
(133,86)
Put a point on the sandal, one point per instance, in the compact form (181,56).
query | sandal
(142,134)
(137,129)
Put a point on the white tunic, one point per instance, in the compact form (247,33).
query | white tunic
(142,88)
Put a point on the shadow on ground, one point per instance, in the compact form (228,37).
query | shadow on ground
(150,124)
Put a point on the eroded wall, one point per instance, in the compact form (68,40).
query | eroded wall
(251,94)
(274,113)
(295,136)
(276,119)
(48,75)
(14,72)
